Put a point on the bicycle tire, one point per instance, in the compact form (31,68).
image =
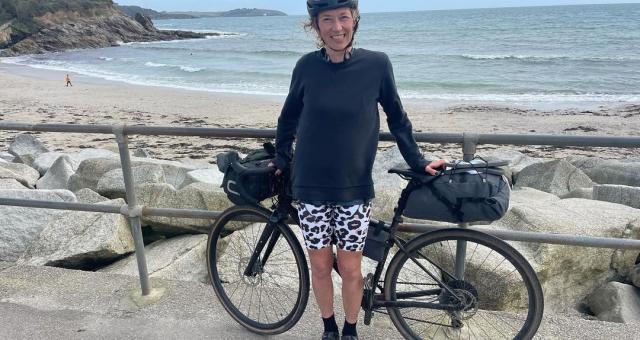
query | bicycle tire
(285,267)
(495,300)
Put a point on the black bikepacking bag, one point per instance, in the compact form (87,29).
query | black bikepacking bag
(375,243)
(470,192)
(241,186)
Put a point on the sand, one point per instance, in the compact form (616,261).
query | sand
(29,95)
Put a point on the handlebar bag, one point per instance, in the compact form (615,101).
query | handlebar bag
(460,196)
(240,184)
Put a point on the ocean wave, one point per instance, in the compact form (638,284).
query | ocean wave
(526,97)
(550,58)
(189,69)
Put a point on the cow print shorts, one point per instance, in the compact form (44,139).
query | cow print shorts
(326,225)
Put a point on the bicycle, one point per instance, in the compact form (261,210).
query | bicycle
(453,282)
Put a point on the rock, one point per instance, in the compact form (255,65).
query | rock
(90,171)
(89,196)
(568,273)
(517,161)
(179,258)
(10,183)
(85,154)
(7,157)
(616,302)
(21,225)
(209,176)
(142,153)
(23,173)
(586,193)
(634,275)
(44,161)
(174,172)
(58,174)
(26,147)
(94,25)
(111,184)
(609,171)
(199,196)
(557,177)
(145,21)
(621,194)
(81,240)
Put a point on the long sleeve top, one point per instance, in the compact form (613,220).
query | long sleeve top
(332,113)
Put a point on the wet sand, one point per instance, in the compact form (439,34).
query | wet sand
(39,96)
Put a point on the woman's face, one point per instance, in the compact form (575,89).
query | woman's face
(336,28)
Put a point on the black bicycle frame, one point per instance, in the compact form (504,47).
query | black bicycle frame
(399,242)
(270,235)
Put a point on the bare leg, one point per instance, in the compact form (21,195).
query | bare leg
(349,264)
(321,266)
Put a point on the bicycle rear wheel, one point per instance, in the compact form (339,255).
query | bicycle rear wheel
(272,300)
(499,290)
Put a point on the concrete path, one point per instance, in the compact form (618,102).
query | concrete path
(54,303)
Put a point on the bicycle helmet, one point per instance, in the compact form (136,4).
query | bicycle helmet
(316,6)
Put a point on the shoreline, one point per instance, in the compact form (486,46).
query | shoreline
(35,95)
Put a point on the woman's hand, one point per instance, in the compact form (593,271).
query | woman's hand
(272,165)
(431,167)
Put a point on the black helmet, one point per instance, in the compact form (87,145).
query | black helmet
(316,6)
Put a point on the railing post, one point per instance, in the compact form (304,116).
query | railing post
(469,146)
(134,218)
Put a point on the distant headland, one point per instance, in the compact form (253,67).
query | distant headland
(240,12)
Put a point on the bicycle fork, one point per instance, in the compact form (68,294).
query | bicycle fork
(268,238)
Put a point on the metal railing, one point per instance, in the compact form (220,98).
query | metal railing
(469,142)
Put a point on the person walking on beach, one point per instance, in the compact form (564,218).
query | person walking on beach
(67,79)
(332,113)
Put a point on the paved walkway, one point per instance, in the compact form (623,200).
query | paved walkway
(54,303)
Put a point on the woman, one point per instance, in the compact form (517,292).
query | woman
(332,110)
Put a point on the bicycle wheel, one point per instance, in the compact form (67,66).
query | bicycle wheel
(271,301)
(499,290)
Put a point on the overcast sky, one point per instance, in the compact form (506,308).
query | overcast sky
(298,7)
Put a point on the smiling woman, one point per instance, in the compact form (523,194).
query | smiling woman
(332,113)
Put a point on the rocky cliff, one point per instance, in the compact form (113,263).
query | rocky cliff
(57,29)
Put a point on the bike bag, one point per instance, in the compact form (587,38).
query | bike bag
(468,193)
(375,243)
(243,184)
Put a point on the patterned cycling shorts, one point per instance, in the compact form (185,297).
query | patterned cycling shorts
(326,225)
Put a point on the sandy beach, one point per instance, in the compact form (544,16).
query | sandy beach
(31,95)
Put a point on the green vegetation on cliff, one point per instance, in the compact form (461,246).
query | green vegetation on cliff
(23,12)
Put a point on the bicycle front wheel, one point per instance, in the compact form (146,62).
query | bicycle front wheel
(272,298)
(496,292)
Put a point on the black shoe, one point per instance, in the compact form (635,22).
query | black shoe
(349,337)
(330,336)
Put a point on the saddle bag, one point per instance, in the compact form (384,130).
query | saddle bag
(241,184)
(464,194)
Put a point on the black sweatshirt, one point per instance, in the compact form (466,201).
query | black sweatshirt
(333,107)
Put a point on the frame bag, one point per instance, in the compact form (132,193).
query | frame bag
(460,195)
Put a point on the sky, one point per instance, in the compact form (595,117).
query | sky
(293,7)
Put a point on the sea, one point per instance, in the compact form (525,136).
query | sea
(529,55)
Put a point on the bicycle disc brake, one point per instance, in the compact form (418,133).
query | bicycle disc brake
(466,295)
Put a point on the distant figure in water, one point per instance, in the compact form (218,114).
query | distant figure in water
(67,79)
